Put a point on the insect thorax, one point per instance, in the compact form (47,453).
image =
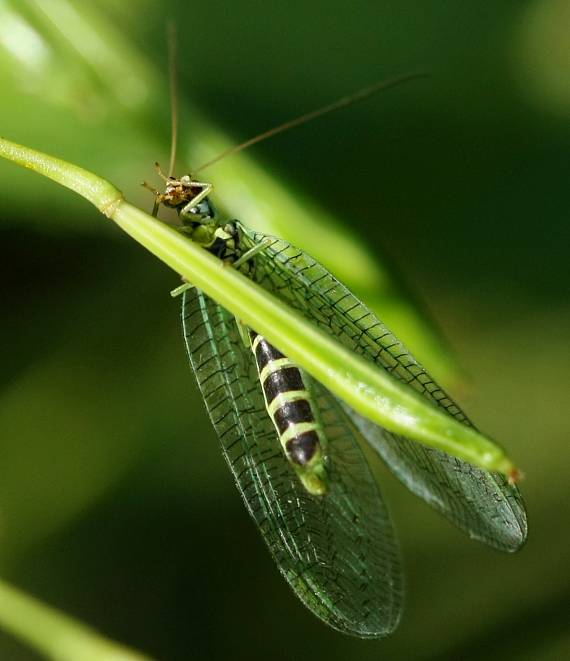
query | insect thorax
(198,216)
(220,240)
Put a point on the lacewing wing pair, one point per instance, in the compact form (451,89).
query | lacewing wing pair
(293,447)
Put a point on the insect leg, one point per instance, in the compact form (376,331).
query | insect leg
(189,212)
(267,241)
(181,289)
(243,333)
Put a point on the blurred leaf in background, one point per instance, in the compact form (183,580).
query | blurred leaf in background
(115,504)
(121,78)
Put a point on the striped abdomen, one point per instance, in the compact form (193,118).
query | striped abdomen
(289,406)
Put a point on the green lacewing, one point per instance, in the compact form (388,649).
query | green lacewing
(294,448)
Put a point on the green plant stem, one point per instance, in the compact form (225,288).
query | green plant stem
(54,634)
(369,390)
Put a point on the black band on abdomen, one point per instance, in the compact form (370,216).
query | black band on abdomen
(282,381)
(264,352)
(298,410)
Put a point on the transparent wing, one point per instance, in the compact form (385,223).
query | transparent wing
(480,502)
(337,551)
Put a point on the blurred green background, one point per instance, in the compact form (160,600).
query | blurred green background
(115,503)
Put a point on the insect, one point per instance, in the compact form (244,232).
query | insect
(295,450)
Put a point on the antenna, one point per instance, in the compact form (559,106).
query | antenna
(343,102)
(172,56)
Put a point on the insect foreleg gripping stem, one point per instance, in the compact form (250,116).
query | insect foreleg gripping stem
(186,211)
